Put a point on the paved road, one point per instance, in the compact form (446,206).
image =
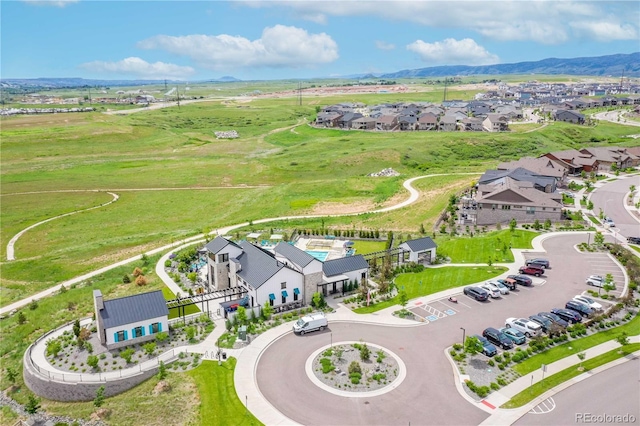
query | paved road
(610,198)
(616,117)
(428,394)
(614,392)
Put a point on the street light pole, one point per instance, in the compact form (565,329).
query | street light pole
(463,337)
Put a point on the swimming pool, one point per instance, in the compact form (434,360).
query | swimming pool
(320,255)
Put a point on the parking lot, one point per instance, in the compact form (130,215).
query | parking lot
(429,377)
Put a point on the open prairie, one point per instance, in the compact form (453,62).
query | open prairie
(175,179)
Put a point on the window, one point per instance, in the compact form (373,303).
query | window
(284,299)
(271,302)
(531,210)
(544,208)
(517,207)
(155,328)
(504,207)
(138,332)
(121,336)
(295,296)
(493,206)
(283,286)
(223,258)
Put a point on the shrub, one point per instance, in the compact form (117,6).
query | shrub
(457,346)
(354,367)
(141,281)
(92,361)
(495,386)
(491,363)
(126,279)
(327,366)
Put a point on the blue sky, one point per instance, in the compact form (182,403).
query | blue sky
(196,40)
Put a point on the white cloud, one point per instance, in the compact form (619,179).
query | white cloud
(279,46)
(55,3)
(383,45)
(605,31)
(140,68)
(543,21)
(453,52)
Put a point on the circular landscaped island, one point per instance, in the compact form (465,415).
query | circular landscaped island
(355,369)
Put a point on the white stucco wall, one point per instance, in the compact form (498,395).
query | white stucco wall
(129,328)
(293,280)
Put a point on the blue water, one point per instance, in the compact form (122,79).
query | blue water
(320,255)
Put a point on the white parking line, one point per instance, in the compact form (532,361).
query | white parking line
(448,305)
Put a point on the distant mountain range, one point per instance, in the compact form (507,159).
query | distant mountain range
(55,83)
(610,65)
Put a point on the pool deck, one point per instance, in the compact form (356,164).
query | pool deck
(333,247)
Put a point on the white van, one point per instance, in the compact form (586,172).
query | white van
(310,323)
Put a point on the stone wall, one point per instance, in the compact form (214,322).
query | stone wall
(489,216)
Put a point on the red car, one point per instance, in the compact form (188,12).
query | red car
(531,270)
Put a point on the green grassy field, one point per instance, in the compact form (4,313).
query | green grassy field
(478,249)
(433,280)
(365,247)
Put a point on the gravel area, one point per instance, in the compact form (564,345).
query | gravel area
(374,375)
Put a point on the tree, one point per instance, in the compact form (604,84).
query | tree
(339,353)
(623,340)
(21,318)
(581,356)
(92,361)
(76,328)
(11,374)
(632,189)
(33,405)
(472,345)
(590,205)
(149,348)
(267,311)
(318,300)
(608,285)
(99,399)
(403,299)
(241,315)
(513,224)
(547,224)
(53,347)
(536,225)
(162,371)
(162,336)
(126,279)
(422,230)
(126,355)
(365,352)
(598,239)
(191,332)
(145,259)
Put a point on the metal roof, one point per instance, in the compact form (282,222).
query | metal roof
(421,244)
(294,254)
(344,264)
(217,244)
(257,265)
(132,309)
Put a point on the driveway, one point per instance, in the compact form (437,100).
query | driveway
(428,394)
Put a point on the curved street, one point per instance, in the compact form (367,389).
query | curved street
(610,197)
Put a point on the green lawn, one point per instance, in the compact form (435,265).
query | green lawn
(636,248)
(433,280)
(481,247)
(632,328)
(365,247)
(174,312)
(554,380)
(219,403)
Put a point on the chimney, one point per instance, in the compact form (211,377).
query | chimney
(99,303)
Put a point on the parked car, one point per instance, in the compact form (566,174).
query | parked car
(538,261)
(545,323)
(510,283)
(310,323)
(531,270)
(581,308)
(588,301)
(517,337)
(633,240)
(595,280)
(521,280)
(554,319)
(497,338)
(610,222)
(477,293)
(525,326)
(487,348)
(503,289)
(568,315)
(493,291)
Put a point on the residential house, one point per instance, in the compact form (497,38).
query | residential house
(407,122)
(338,272)
(610,155)
(346,120)
(448,123)
(420,250)
(574,161)
(495,123)
(635,151)
(305,264)
(387,122)
(541,183)
(511,199)
(472,124)
(328,119)
(568,116)
(512,112)
(427,121)
(130,320)
(364,123)
(477,108)
(542,166)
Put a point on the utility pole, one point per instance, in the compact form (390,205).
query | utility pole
(178,96)
(444,98)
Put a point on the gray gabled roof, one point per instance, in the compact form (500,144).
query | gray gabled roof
(294,254)
(132,309)
(257,265)
(343,265)
(217,244)
(421,244)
